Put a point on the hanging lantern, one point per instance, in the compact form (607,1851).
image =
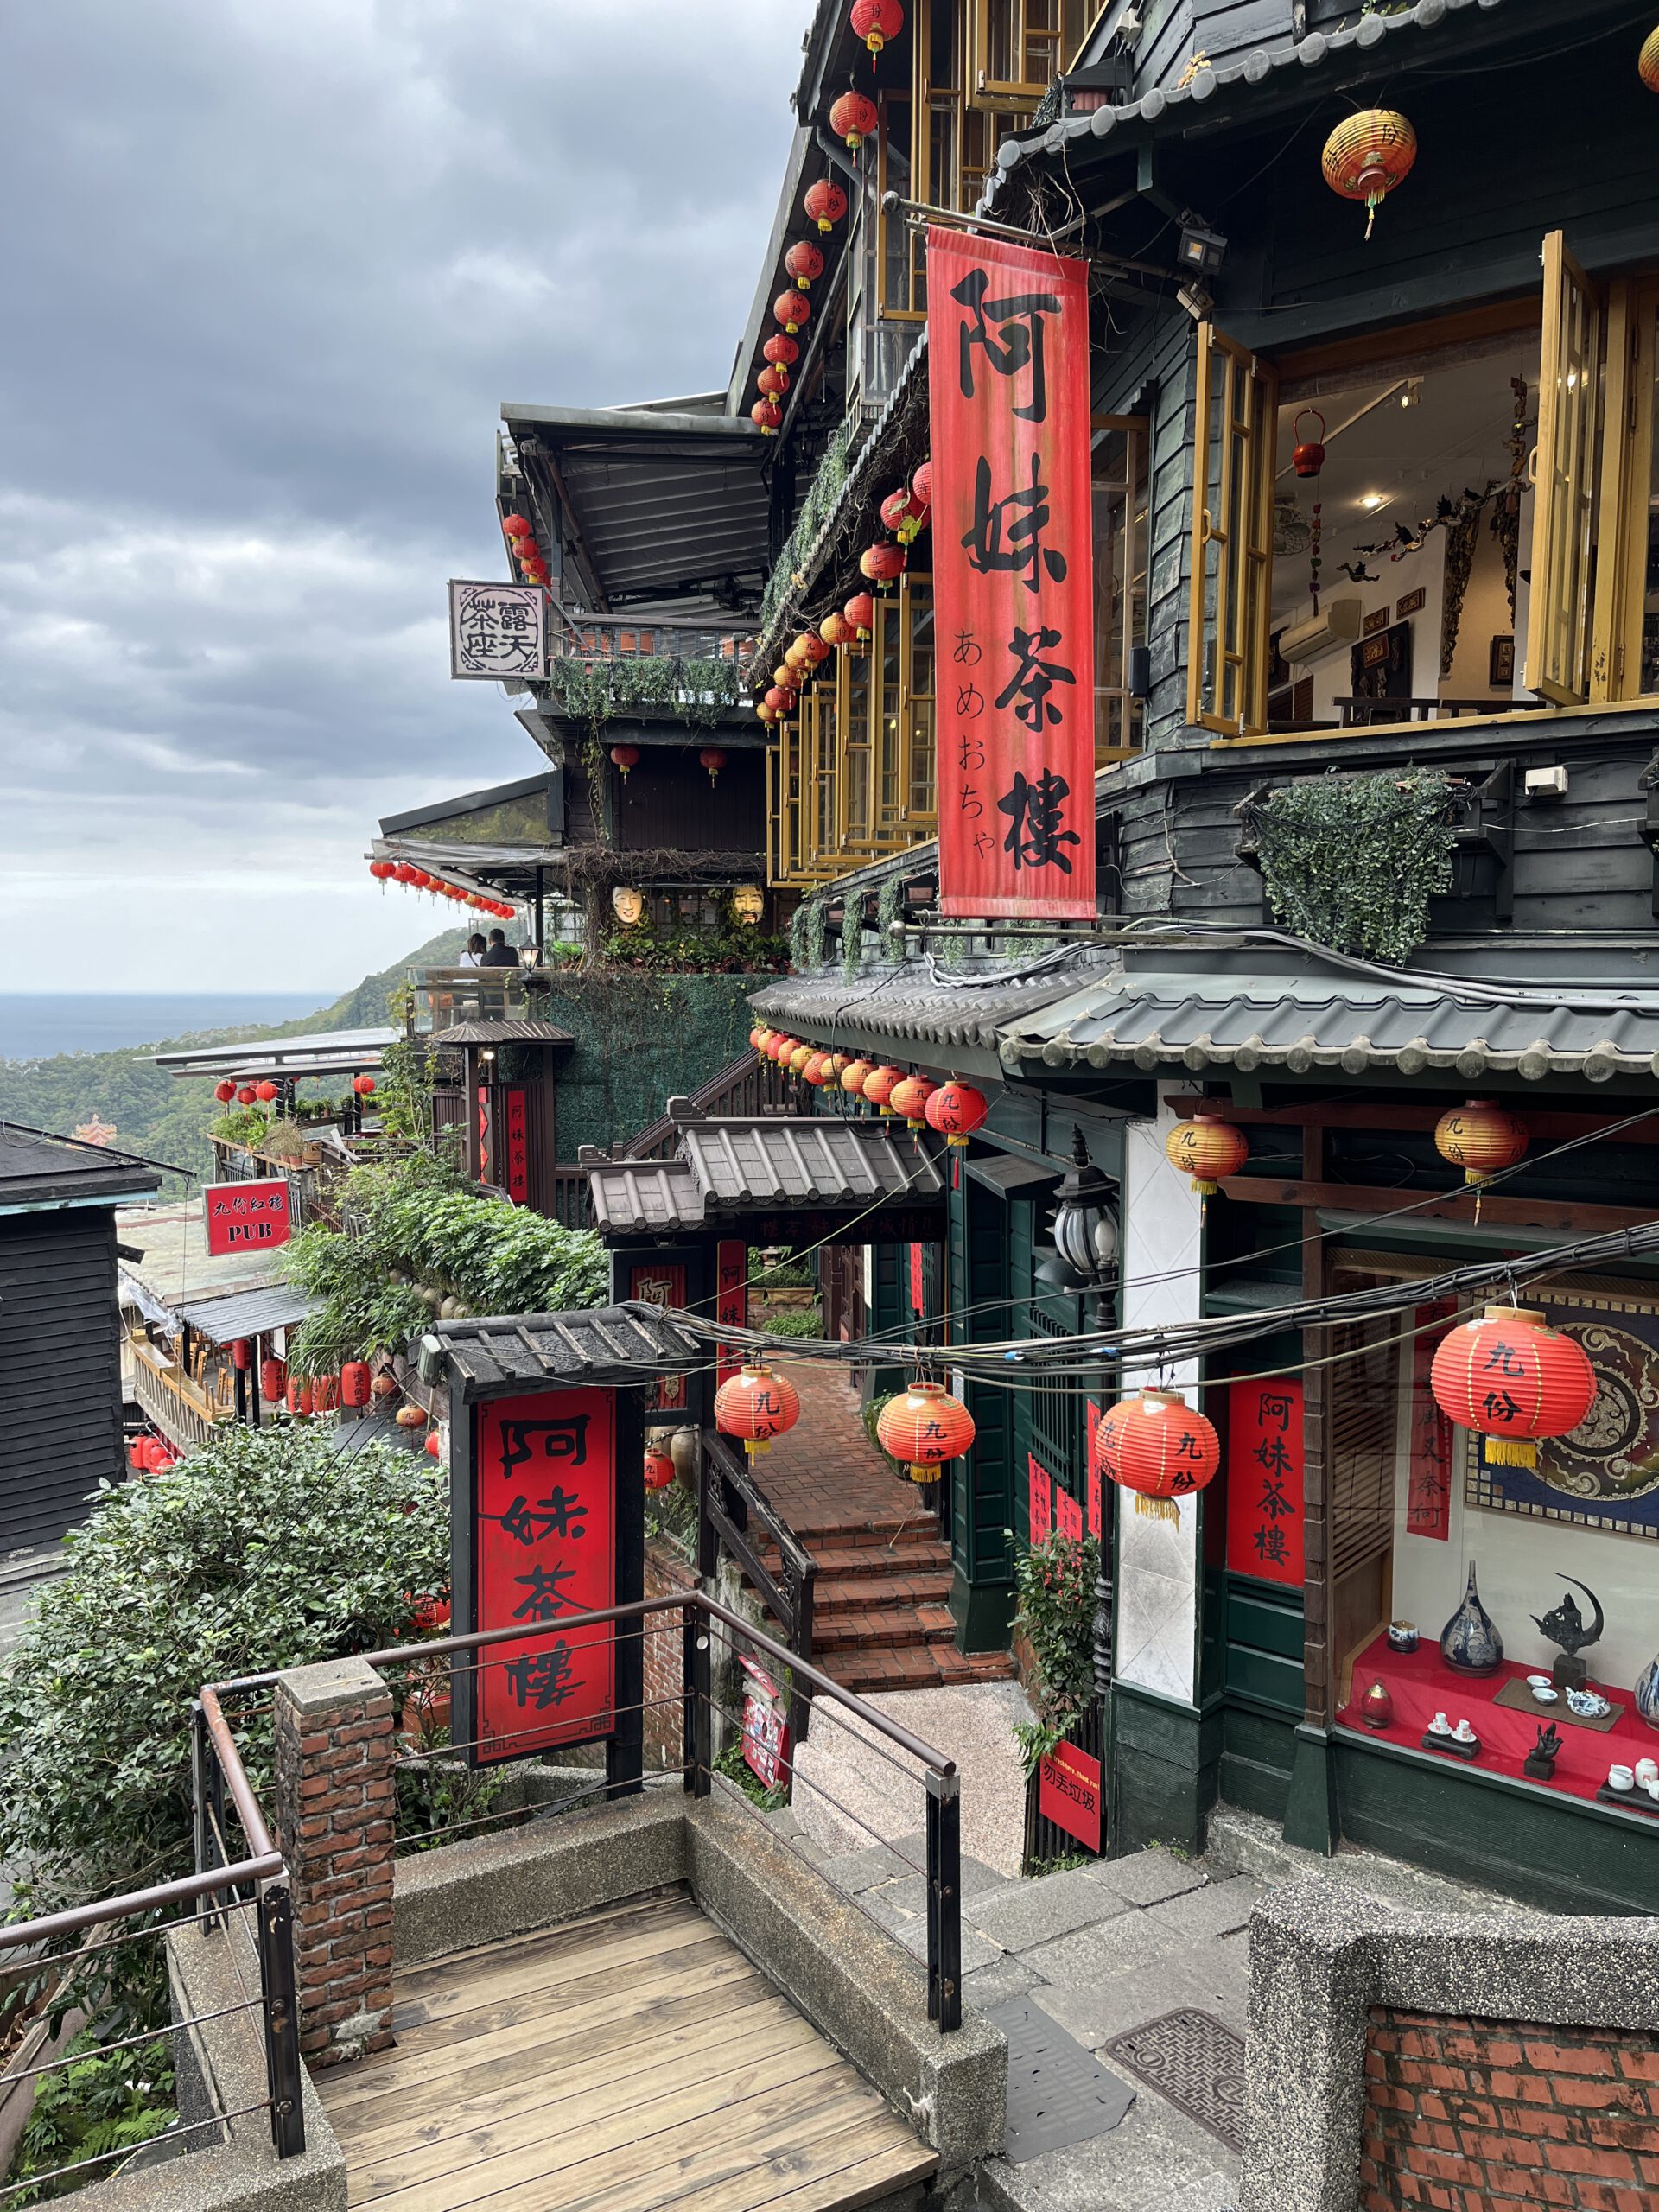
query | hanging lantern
(781,351)
(1307,455)
(354,1383)
(923,1426)
(223,1092)
(625,757)
(815,1070)
(785,675)
(910,1098)
(922,485)
(900,510)
(517,525)
(798,1058)
(766,710)
(273,1380)
(803,261)
(859,611)
(767,415)
(826,203)
(363,1085)
(325,1393)
(781,699)
(434,1445)
(299,1395)
(404,872)
(409,1417)
(773,383)
(385,1385)
(836,1066)
(242,1354)
(791,311)
(1479,1137)
(956,1110)
(755,1405)
(713,759)
(383,871)
(837,629)
(1206,1149)
(852,118)
(660,1465)
(1646,66)
(1367,154)
(854,1078)
(882,564)
(877,21)
(811,648)
(1157,1446)
(879,1085)
(245,1096)
(265,1091)
(1512,1378)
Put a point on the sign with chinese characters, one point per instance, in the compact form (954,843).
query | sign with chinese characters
(765,1734)
(731,1301)
(1264,1479)
(1097,1521)
(1068,1514)
(1039,1501)
(1068,1793)
(544,1546)
(917,1282)
(246,1216)
(1428,1494)
(662,1284)
(516,1120)
(1008,335)
(497,630)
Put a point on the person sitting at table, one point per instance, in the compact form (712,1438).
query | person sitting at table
(500,953)
(474,955)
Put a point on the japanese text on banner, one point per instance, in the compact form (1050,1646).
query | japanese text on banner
(1012,577)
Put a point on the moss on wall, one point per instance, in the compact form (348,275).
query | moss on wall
(641,1040)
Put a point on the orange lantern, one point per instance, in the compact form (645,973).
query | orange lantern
(910,1098)
(781,1046)
(773,383)
(781,351)
(956,1110)
(854,1077)
(813,1068)
(1367,154)
(1206,1149)
(853,117)
(837,629)
(859,611)
(803,261)
(767,415)
(768,714)
(791,311)
(1480,1138)
(1646,66)
(781,699)
(409,1417)
(811,648)
(826,203)
(1307,455)
(1158,1447)
(755,1405)
(1512,1378)
(902,512)
(798,1058)
(659,1467)
(325,1393)
(882,563)
(922,484)
(879,1085)
(923,1426)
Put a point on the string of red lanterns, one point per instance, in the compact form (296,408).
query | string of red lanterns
(417,879)
(1157,1446)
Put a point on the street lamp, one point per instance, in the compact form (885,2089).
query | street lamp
(1086,1219)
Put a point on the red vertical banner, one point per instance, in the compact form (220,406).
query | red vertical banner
(1068,1793)
(662,1284)
(517,1148)
(917,1283)
(1068,1514)
(1008,339)
(1097,1518)
(731,1301)
(1039,1502)
(1428,1495)
(1264,1479)
(544,1546)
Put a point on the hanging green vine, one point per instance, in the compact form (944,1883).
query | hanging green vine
(700,691)
(852,940)
(889,905)
(1352,861)
(827,486)
(806,930)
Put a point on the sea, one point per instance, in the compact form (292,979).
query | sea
(34,1025)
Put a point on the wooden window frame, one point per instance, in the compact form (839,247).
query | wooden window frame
(1137,431)
(1020,92)
(1560,604)
(1241,528)
(914,306)
(917,822)
(854,743)
(1624,488)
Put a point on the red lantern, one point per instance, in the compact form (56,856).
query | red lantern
(383,871)
(385,1385)
(782,352)
(836,1066)
(404,872)
(517,527)
(242,1355)
(791,311)
(852,118)
(877,21)
(826,203)
(1647,63)
(299,1395)
(812,1069)
(354,1383)
(265,1091)
(1206,1149)
(1511,1377)
(756,1405)
(363,1085)
(910,1098)
(625,757)
(899,510)
(773,383)
(882,563)
(879,1085)
(659,1467)
(811,648)
(223,1092)
(803,261)
(245,1096)
(922,485)
(421,880)
(273,1381)
(325,1393)
(1480,1138)
(923,1426)
(854,1077)
(859,611)
(1307,455)
(161,1462)
(780,700)
(767,415)
(1158,1447)
(1367,154)
(713,759)
(434,1445)
(956,1110)
(837,629)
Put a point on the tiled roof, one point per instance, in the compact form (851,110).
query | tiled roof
(919,1002)
(634,1195)
(784,1161)
(509,1031)
(605,1345)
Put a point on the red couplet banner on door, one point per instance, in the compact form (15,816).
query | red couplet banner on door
(1008,339)
(1264,1479)
(543,1546)
(731,1301)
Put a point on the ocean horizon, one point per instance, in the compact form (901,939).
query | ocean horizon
(38,1025)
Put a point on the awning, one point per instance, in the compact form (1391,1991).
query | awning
(510,1030)
(245,1313)
(619,1345)
(659,508)
(329,1051)
(924,1003)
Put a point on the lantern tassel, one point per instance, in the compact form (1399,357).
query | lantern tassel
(1511,1451)
(1373,201)
(1157,1509)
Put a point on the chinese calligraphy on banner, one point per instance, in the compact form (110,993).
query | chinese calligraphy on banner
(544,1546)
(517,1148)
(1012,577)
(245,1216)
(1095,1518)
(497,630)
(731,1301)
(1429,1497)
(1068,1793)
(663,1284)
(1039,1501)
(1264,1479)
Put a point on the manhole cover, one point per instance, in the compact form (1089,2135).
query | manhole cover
(1194,2061)
(1058,2093)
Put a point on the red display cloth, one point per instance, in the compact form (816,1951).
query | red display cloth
(1422,1684)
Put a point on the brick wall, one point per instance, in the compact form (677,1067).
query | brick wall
(1473,2115)
(666,1573)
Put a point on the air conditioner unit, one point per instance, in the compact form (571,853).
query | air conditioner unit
(1335,624)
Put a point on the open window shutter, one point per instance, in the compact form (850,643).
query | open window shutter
(1234,429)
(1625,475)
(1563,521)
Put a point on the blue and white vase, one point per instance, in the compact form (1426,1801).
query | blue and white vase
(1647,1694)
(1469,1641)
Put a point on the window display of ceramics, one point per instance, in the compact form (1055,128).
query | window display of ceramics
(1402,1637)
(1377,1707)
(1540,1762)
(1647,1694)
(1469,1641)
(1565,1625)
(1589,1705)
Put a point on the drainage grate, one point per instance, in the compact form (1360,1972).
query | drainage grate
(1057,2094)
(1194,2061)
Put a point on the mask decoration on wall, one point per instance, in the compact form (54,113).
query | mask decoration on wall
(1565,1625)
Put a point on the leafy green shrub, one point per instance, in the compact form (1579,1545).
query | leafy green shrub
(785,1274)
(105,2101)
(1055,1582)
(285,1140)
(243,1125)
(1352,861)
(802,1321)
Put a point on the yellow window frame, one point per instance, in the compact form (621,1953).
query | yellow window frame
(1625,490)
(920,716)
(1009,26)
(1135,431)
(858,692)
(1561,604)
(1227,647)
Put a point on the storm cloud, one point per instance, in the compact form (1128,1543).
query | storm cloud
(268,272)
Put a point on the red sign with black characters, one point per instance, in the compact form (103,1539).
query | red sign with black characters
(1264,1479)
(246,1216)
(1428,1495)
(1068,1793)
(1008,338)
(1095,1518)
(1039,1507)
(517,1119)
(543,1546)
(663,1284)
(731,1301)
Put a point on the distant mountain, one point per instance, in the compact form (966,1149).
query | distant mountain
(160,1114)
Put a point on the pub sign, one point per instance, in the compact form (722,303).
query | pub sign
(246,1216)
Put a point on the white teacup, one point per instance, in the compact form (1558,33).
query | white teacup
(1646,1769)
(1620,1778)
(1439,1725)
(1652,1788)
(1544,1696)
(1539,1683)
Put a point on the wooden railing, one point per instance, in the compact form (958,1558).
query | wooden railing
(178,1406)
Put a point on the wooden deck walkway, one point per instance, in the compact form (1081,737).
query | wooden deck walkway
(632,2060)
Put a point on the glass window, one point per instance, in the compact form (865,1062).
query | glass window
(1120,540)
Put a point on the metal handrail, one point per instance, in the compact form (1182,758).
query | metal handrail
(53,1926)
(719,1520)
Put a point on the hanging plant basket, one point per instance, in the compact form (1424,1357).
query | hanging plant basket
(1352,860)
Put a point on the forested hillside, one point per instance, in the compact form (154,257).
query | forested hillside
(157,1113)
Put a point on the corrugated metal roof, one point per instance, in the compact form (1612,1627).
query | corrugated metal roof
(518,1031)
(632,1197)
(360,1047)
(792,1162)
(606,1344)
(244,1312)
(35,1166)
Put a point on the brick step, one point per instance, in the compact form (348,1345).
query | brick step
(900,1624)
(853,1531)
(926,1555)
(873,1592)
(916,1667)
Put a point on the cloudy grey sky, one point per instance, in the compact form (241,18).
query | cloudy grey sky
(267,272)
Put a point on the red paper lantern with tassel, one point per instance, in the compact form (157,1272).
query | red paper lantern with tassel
(956,1110)
(876,21)
(242,1354)
(713,759)
(910,1098)
(1367,155)
(223,1092)
(922,1428)
(265,1091)
(883,565)
(626,757)
(859,611)
(773,383)
(853,119)
(659,1465)
(803,261)
(273,1381)
(354,1383)
(898,511)
(244,1096)
(1512,1378)
(854,1078)
(1157,1446)
(837,629)
(434,1445)
(383,871)
(754,1405)
(781,351)
(922,485)
(781,700)
(767,415)
(1206,1149)
(879,1085)
(826,203)
(791,311)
